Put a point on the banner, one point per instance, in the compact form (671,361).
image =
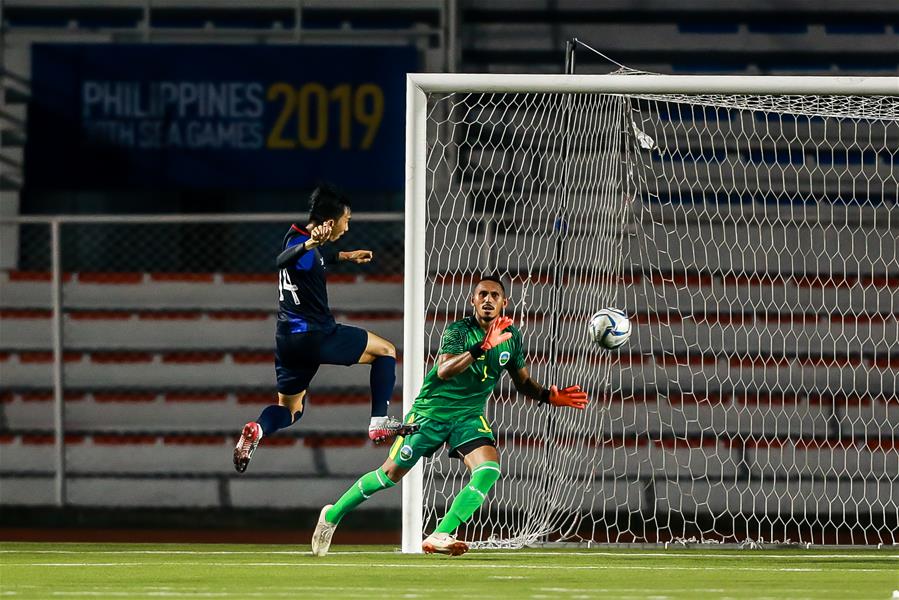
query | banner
(216,116)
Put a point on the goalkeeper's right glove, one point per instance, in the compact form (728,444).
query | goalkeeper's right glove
(493,338)
(495,334)
(572,396)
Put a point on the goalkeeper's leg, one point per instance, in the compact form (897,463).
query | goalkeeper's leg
(405,452)
(382,478)
(483,463)
(403,455)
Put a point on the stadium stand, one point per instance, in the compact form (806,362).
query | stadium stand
(142,352)
(696,36)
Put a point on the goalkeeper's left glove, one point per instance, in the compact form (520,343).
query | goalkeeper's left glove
(571,396)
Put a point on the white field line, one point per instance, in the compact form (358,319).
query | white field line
(465,564)
(101,590)
(305,593)
(733,554)
(276,588)
(635,594)
(314,594)
(287,590)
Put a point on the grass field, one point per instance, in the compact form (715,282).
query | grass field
(42,571)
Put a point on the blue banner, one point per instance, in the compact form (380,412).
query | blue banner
(216,116)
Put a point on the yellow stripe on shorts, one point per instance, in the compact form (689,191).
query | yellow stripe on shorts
(486,428)
(396,447)
(399,441)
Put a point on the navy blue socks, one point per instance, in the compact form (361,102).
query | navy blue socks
(382,379)
(276,417)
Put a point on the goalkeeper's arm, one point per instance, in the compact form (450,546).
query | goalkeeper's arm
(526,385)
(450,365)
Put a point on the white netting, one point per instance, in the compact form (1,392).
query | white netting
(754,241)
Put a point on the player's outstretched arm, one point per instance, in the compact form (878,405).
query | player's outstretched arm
(571,396)
(318,235)
(360,257)
(450,365)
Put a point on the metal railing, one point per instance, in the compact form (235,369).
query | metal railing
(172,244)
(296,30)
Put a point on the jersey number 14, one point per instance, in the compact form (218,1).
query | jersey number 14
(284,284)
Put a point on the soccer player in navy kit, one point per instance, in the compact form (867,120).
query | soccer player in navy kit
(308,336)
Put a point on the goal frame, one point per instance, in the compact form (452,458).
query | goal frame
(419,85)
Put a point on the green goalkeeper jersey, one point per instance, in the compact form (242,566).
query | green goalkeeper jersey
(466,394)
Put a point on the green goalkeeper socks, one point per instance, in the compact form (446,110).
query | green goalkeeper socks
(470,498)
(359,492)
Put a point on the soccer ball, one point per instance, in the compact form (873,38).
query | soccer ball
(610,328)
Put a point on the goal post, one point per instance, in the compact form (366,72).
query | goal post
(414,295)
(425,83)
(748,226)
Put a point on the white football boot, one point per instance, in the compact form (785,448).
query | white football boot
(443,543)
(324,531)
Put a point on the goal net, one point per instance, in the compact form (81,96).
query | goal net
(753,240)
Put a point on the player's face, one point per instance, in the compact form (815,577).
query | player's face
(488,300)
(341,225)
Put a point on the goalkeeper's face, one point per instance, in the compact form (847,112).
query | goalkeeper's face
(488,301)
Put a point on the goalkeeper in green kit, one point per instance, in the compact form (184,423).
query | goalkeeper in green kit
(449,410)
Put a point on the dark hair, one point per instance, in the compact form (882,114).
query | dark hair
(494,279)
(327,202)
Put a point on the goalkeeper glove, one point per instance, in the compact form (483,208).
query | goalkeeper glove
(572,396)
(493,338)
(495,335)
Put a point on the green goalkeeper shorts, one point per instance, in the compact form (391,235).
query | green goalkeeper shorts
(432,434)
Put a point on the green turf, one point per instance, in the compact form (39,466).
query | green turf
(173,571)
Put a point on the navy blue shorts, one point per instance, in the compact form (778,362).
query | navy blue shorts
(298,355)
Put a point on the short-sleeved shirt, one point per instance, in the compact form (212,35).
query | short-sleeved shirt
(302,290)
(465,395)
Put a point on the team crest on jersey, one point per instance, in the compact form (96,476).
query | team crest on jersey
(406,452)
(504,357)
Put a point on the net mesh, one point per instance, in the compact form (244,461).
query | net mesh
(753,241)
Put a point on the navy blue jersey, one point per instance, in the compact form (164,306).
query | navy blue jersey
(302,291)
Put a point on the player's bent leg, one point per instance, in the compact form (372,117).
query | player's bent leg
(381,354)
(293,374)
(348,345)
(288,411)
(393,471)
(376,347)
(293,403)
(367,485)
